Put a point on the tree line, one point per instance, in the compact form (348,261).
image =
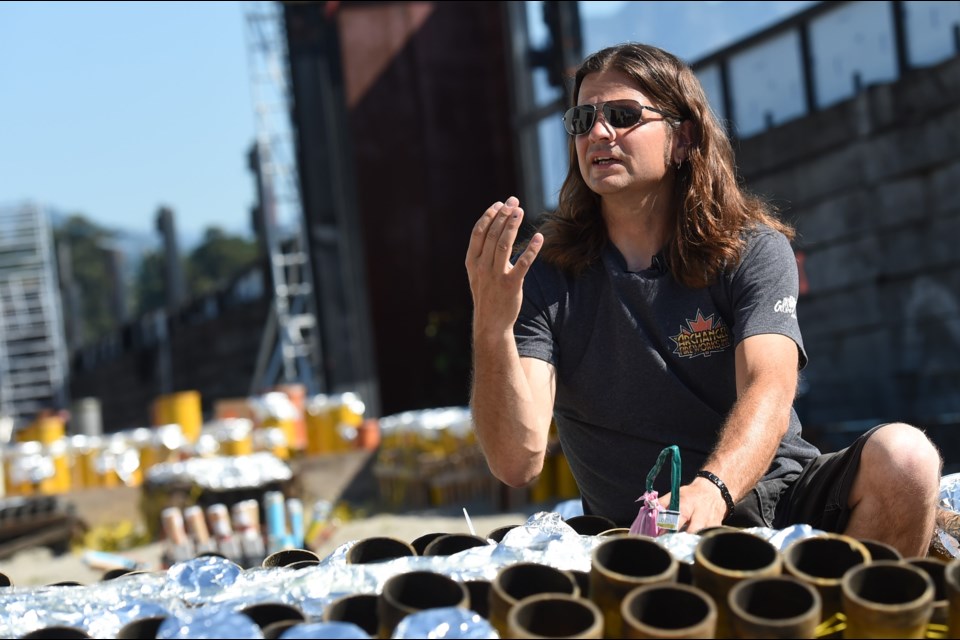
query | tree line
(99,287)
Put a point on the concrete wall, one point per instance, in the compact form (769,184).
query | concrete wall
(871,185)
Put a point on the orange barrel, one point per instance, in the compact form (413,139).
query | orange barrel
(320,425)
(184,408)
(368,435)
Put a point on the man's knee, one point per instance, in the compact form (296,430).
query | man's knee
(899,453)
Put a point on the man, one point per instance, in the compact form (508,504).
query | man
(662,311)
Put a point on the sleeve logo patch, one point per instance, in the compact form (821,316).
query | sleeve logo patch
(701,336)
(787,305)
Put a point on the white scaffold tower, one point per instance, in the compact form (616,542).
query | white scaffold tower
(33,351)
(290,349)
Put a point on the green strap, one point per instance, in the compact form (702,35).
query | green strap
(674,475)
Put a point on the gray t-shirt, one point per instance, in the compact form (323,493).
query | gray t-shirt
(644,362)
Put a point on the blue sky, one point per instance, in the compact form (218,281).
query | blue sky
(112,109)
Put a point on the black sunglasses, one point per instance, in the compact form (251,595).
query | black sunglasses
(619,114)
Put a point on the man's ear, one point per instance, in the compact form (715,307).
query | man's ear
(683,140)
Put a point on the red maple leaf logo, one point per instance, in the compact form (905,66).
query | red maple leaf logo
(700,323)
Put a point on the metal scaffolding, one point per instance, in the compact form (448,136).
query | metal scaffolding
(33,352)
(290,347)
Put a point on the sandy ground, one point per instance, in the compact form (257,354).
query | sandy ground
(333,478)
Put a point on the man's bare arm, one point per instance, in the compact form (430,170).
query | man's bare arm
(511,398)
(766,368)
(512,405)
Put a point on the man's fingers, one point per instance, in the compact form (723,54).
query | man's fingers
(479,235)
(529,254)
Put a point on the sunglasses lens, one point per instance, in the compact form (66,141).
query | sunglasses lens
(622,116)
(579,120)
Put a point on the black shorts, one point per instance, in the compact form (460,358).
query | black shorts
(817,496)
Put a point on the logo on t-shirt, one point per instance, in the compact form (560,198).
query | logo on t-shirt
(787,305)
(702,336)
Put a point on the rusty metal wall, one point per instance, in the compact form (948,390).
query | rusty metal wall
(426,147)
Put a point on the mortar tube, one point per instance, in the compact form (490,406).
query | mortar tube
(555,615)
(358,608)
(227,543)
(178,546)
(247,529)
(514,582)
(822,561)
(413,591)
(276,519)
(723,558)
(668,610)
(886,599)
(774,607)
(378,549)
(936,570)
(451,543)
(196,526)
(622,563)
(295,538)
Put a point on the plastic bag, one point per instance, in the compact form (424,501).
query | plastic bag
(653,519)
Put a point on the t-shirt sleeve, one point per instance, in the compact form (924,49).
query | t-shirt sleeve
(765,288)
(534,328)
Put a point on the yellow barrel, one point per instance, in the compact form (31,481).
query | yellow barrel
(141,439)
(235,436)
(566,483)
(272,439)
(159,411)
(347,414)
(184,408)
(26,434)
(164,445)
(3,472)
(543,488)
(285,425)
(321,426)
(49,429)
(10,488)
(26,468)
(125,457)
(77,447)
(60,481)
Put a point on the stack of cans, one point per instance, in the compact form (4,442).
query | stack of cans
(233,532)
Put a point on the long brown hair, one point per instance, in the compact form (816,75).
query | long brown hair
(711,210)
